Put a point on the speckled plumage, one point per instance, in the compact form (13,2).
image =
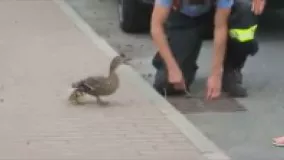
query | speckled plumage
(99,85)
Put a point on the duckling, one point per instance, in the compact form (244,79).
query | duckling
(98,86)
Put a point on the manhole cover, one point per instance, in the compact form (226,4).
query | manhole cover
(197,104)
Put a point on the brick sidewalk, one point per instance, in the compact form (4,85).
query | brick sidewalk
(42,52)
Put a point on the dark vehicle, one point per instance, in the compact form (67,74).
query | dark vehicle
(134,15)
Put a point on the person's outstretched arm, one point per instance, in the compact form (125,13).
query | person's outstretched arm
(223,11)
(160,14)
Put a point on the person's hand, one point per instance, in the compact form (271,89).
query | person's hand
(175,77)
(258,6)
(213,87)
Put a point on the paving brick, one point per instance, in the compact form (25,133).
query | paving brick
(43,53)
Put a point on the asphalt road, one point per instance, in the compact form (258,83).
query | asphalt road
(242,135)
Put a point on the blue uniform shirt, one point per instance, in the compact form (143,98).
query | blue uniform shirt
(199,9)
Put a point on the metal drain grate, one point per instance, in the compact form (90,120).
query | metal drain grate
(199,105)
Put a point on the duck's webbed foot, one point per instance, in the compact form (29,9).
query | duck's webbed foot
(101,102)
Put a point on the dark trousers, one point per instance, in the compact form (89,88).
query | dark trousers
(236,57)
(185,37)
(237,52)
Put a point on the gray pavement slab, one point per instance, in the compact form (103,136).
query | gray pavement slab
(247,135)
(42,53)
(242,135)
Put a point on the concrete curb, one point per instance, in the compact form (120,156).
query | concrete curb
(207,148)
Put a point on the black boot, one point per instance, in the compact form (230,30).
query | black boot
(162,86)
(232,83)
(161,79)
(239,76)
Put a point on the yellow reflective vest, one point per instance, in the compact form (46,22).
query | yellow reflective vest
(243,35)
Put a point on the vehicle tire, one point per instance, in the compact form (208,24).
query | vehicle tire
(134,15)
